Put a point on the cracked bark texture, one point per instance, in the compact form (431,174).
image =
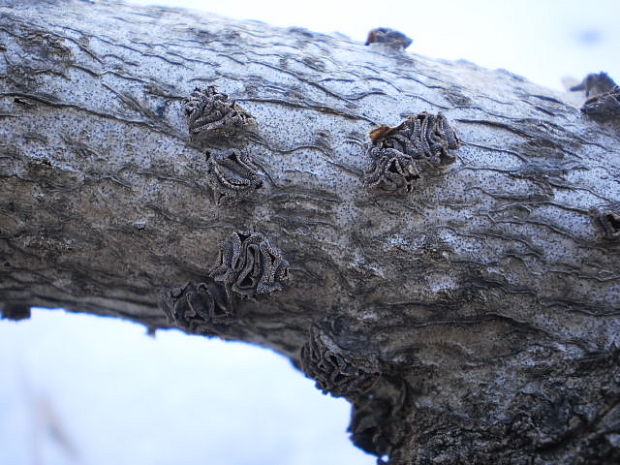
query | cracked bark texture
(487,300)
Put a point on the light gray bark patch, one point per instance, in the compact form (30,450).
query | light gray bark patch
(211,114)
(249,265)
(398,154)
(202,308)
(232,175)
(334,372)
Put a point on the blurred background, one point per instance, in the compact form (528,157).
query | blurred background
(78,389)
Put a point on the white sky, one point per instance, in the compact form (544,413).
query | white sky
(124,398)
(121,397)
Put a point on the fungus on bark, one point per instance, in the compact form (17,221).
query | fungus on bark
(201,308)
(15,312)
(211,114)
(609,224)
(232,175)
(604,107)
(374,426)
(391,171)
(397,153)
(388,37)
(595,84)
(334,373)
(249,265)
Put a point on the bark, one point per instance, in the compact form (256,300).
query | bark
(472,320)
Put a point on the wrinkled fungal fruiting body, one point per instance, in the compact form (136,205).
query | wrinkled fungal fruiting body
(15,312)
(388,37)
(248,265)
(323,361)
(604,107)
(595,84)
(609,224)
(373,427)
(199,308)
(232,175)
(392,171)
(398,154)
(211,114)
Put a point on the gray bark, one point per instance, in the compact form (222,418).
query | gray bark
(473,320)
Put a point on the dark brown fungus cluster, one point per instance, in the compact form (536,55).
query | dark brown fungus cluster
(397,154)
(595,84)
(388,37)
(375,427)
(391,171)
(249,265)
(15,312)
(604,107)
(377,418)
(232,175)
(200,308)
(609,224)
(211,114)
(323,361)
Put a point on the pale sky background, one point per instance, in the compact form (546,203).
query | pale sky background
(113,395)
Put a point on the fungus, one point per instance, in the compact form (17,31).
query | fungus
(15,312)
(368,421)
(392,171)
(595,84)
(323,361)
(604,107)
(397,153)
(388,37)
(199,308)
(609,223)
(232,175)
(211,114)
(249,265)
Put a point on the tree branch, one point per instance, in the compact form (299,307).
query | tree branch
(470,317)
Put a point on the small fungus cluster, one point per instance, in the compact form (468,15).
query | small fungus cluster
(212,117)
(603,97)
(212,114)
(604,107)
(200,308)
(388,37)
(323,361)
(231,174)
(595,84)
(609,224)
(249,266)
(397,154)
